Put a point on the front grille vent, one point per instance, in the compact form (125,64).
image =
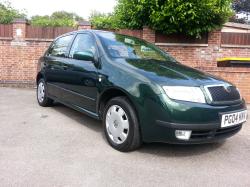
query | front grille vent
(223,94)
(199,135)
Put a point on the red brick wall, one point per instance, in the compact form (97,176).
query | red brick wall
(18,60)
(148,35)
(240,77)
(205,57)
(135,33)
(18,57)
(187,55)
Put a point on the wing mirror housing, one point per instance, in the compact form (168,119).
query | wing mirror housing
(84,55)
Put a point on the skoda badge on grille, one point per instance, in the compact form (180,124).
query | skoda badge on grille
(227,88)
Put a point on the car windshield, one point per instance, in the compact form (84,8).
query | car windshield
(122,46)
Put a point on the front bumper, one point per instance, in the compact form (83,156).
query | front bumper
(201,133)
(160,119)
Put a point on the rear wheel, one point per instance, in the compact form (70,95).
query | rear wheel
(121,125)
(42,94)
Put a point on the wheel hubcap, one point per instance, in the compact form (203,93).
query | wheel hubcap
(40,92)
(117,124)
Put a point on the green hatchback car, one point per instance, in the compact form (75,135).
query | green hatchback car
(140,92)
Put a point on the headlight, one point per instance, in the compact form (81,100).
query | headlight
(185,93)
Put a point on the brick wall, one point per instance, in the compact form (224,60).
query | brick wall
(148,35)
(19,55)
(18,62)
(240,77)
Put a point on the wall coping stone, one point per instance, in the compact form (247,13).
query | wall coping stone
(20,20)
(235,46)
(181,44)
(6,38)
(39,39)
(237,25)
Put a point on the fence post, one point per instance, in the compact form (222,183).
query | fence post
(83,25)
(19,29)
(148,34)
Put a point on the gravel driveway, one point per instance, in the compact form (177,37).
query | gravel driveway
(61,147)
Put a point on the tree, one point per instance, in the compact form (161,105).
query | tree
(241,7)
(66,16)
(103,21)
(59,18)
(191,17)
(133,14)
(8,14)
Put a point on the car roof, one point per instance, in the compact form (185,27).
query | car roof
(84,31)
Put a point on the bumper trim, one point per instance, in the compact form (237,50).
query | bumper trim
(180,126)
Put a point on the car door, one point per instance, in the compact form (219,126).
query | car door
(56,65)
(81,78)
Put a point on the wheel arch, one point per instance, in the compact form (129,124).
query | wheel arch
(110,93)
(39,76)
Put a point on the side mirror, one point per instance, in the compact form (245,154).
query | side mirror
(86,56)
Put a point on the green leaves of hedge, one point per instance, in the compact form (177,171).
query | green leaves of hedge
(191,17)
(103,21)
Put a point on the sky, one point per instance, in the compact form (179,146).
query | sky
(46,7)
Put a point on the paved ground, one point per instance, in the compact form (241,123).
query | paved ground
(61,147)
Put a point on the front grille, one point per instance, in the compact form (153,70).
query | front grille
(201,135)
(223,94)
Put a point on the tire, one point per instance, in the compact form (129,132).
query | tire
(42,94)
(121,125)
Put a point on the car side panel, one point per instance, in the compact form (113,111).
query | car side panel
(80,84)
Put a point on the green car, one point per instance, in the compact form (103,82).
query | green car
(140,92)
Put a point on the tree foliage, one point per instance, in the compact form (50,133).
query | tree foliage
(59,18)
(191,17)
(103,21)
(8,13)
(133,14)
(241,6)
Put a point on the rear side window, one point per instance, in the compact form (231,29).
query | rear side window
(60,46)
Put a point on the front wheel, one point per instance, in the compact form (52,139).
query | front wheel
(121,125)
(42,94)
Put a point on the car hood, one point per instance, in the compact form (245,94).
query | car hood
(170,73)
